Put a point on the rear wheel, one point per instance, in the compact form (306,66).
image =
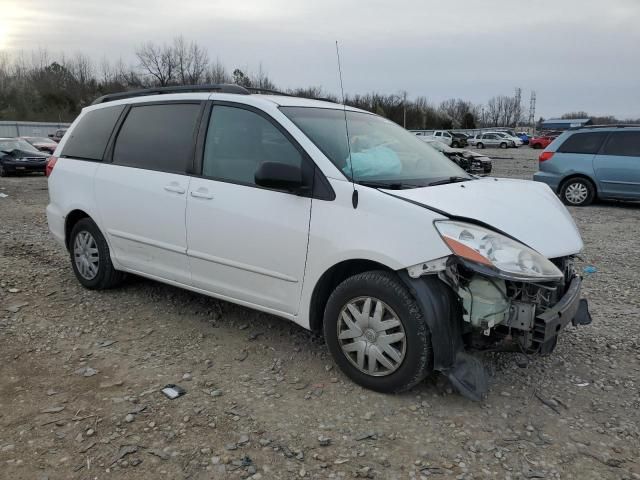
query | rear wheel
(3,172)
(455,145)
(536,146)
(480,145)
(90,257)
(376,334)
(577,192)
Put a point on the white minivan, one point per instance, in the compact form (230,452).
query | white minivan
(329,216)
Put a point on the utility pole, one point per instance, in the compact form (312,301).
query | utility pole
(532,111)
(404,110)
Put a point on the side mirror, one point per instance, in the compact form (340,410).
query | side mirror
(280,176)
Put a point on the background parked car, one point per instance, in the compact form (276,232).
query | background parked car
(19,156)
(472,162)
(516,140)
(41,143)
(588,163)
(439,135)
(541,141)
(56,137)
(524,136)
(458,140)
(483,140)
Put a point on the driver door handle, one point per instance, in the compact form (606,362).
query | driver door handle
(174,188)
(201,193)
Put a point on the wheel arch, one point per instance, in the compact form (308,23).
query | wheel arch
(571,176)
(70,220)
(330,279)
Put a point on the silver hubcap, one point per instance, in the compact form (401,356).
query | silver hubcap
(85,253)
(576,193)
(371,336)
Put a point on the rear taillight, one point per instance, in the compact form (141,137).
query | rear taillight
(51,162)
(545,156)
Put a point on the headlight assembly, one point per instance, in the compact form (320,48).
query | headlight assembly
(486,248)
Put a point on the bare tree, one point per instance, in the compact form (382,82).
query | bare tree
(158,62)
(191,61)
(217,73)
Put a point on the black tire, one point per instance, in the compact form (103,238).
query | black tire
(106,276)
(536,146)
(385,286)
(480,145)
(487,169)
(503,145)
(577,182)
(455,145)
(3,172)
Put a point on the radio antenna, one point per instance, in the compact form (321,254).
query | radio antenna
(354,196)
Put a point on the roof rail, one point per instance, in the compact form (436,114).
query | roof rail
(278,92)
(222,88)
(267,91)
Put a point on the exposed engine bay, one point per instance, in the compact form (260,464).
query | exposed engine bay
(503,315)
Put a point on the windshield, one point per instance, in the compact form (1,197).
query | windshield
(9,145)
(381,150)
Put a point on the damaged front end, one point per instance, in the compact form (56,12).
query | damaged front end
(502,296)
(507,315)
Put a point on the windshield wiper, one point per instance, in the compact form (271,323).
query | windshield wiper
(444,181)
(387,185)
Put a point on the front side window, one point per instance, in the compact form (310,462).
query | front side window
(239,140)
(585,143)
(158,137)
(380,150)
(626,144)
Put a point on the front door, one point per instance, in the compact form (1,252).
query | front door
(246,243)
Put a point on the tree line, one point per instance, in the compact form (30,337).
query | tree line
(38,86)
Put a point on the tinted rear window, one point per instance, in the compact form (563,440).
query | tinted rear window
(88,140)
(158,137)
(588,143)
(623,143)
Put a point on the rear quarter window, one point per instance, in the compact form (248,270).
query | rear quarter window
(626,144)
(585,143)
(88,140)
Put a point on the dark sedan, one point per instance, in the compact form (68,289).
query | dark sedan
(19,156)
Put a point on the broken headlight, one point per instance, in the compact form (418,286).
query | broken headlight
(486,248)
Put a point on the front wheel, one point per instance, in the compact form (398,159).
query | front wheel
(376,334)
(3,172)
(90,257)
(577,192)
(503,145)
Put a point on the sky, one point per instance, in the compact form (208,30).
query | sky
(578,55)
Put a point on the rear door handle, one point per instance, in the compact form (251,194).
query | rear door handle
(201,193)
(174,188)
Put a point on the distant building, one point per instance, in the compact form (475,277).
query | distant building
(564,124)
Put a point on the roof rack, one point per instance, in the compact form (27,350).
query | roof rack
(222,88)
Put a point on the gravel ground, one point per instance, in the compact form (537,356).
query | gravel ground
(81,372)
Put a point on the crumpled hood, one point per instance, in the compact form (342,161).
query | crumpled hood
(528,211)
